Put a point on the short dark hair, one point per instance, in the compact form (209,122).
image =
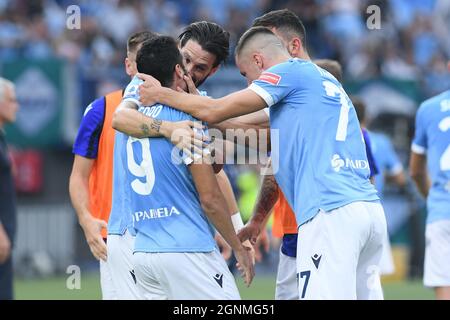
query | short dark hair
(158,57)
(360,107)
(250,34)
(285,21)
(210,36)
(332,66)
(138,38)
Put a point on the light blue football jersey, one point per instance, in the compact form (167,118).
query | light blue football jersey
(321,152)
(385,157)
(432,137)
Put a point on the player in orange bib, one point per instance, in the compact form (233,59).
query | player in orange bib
(91,178)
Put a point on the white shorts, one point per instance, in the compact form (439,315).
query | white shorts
(184,276)
(120,264)
(286,288)
(339,252)
(387,261)
(106,283)
(437,254)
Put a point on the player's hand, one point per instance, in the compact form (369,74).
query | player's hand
(224,247)
(148,90)
(192,89)
(245,265)
(183,135)
(262,242)
(250,248)
(250,232)
(92,228)
(5,245)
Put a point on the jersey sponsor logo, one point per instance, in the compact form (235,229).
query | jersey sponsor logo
(316,260)
(133,275)
(219,279)
(158,213)
(269,77)
(337,163)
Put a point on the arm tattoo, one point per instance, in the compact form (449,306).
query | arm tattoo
(268,196)
(156,125)
(145,130)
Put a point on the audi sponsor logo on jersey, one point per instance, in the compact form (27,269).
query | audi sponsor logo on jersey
(337,163)
(158,213)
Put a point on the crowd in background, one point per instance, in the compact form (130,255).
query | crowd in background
(413,42)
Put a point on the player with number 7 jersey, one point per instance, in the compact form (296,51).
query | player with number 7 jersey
(323,169)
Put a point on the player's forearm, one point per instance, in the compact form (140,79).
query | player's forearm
(199,107)
(422,182)
(227,191)
(267,197)
(134,123)
(79,195)
(212,110)
(216,209)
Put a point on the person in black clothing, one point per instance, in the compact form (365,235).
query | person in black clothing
(8,109)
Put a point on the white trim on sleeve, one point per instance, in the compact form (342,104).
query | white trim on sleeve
(262,93)
(267,111)
(418,149)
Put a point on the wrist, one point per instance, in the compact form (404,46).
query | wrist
(236,219)
(166,129)
(84,219)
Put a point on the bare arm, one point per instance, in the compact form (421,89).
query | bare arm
(205,108)
(79,194)
(216,209)
(268,196)
(129,120)
(418,172)
(256,120)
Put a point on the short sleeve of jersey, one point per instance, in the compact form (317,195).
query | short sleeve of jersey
(131,92)
(274,84)
(419,144)
(88,136)
(372,164)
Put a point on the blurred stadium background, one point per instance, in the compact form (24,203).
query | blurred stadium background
(59,71)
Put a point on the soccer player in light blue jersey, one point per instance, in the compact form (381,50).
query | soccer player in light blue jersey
(323,169)
(204,46)
(173,199)
(430,169)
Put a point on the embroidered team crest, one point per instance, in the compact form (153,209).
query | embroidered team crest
(270,77)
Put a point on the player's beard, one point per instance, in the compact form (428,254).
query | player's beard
(198,83)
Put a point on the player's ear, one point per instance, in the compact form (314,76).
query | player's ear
(295,47)
(128,66)
(179,71)
(257,59)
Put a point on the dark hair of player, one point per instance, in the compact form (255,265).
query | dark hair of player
(360,108)
(158,57)
(138,38)
(249,35)
(285,21)
(210,36)
(332,66)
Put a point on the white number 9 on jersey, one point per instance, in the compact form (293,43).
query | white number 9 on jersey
(144,169)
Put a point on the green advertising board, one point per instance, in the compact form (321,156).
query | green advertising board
(40,89)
